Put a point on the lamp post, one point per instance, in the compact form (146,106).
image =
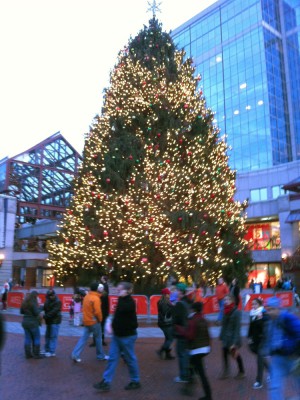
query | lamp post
(2,257)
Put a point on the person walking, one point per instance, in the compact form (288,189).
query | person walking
(258,317)
(281,347)
(197,335)
(124,335)
(103,288)
(165,322)
(180,318)
(52,317)
(92,317)
(234,289)
(231,337)
(31,324)
(221,291)
(77,307)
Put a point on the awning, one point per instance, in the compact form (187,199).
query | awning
(293,186)
(293,216)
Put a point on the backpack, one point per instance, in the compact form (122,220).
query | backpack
(291,334)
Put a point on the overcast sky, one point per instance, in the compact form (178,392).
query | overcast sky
(56,56)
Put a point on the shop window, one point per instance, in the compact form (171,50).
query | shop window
(259,194)
(263,236)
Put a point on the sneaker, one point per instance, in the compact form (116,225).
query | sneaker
(132,386)
(179,380)
(257,385)
(76,359)
(105,358)
(240,375)
(47,354)
(102,386)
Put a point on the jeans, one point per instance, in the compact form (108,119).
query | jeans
(197,362)
(124,345)
(261,365)
(280,369)
(32,336)
(221,310)
(183,358)
(51,338)
(97,334)
(168,332)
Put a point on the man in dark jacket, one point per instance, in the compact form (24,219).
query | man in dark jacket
(52,317)
(180,318)
(124,335)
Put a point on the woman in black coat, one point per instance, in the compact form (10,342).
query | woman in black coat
(165,322)
(231,337)
(31,325)
(258,317)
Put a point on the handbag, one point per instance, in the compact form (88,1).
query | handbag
(168,318)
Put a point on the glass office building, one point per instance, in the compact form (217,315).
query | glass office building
(247,52)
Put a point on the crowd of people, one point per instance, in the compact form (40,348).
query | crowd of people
(273,334)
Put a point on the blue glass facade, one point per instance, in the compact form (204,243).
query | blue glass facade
(247,53)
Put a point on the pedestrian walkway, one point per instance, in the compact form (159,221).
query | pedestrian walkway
(147,327)
(62,379)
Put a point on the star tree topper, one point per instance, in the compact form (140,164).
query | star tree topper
(154,7)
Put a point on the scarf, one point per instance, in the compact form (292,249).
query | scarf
(228,308)
(256,313)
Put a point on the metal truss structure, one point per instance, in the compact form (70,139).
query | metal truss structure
(41,178)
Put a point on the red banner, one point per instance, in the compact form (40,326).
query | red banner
(286,299)
(141,303)
(14,299)
(153,304)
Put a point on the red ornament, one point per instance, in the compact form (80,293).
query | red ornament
(189,153)
(212,195)
(129,221)
(159,135)
(179,219)
(105,233)
(144,259)
(130,157)
(107,180)
(186,106)
(151,219)
(203,233)
(158,196)
(180,141)
(168,161)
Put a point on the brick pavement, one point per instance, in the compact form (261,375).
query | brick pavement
(59,378)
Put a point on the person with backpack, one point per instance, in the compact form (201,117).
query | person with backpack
(281,347)
(165,323)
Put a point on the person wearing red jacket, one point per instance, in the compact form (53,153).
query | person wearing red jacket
(198,338)
(221,291)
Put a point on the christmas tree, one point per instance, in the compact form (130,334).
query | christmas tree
(155,193)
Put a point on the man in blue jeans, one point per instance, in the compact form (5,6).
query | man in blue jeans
(92,318)
(124,335)
(52,317)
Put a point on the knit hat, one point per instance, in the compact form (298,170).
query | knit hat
(100,287)
(165,291)
(181,287)
(273,302)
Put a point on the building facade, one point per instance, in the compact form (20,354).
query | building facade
(247,53)
(36,186)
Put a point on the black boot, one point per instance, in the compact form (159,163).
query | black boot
(28,353)
(169,355)
(161,353)
(36,352)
